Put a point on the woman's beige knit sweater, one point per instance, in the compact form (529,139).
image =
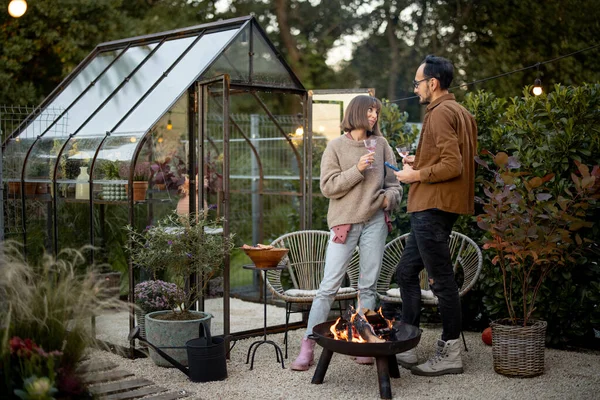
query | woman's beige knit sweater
(354,196)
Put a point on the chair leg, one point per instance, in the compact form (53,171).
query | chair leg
(464,341)
(288,311)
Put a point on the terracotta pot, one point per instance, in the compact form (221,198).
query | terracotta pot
(30,188)
(183,205)
(139,190)
(14,188)
(41,188)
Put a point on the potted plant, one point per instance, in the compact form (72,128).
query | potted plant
(180,246)
(141,177)
(155,295)
(163,177)
(530,232)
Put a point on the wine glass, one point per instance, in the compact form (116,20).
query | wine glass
(403,149)
(370,144)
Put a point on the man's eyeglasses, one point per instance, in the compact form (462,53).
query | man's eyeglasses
(417,83)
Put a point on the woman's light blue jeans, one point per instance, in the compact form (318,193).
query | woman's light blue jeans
(370,237)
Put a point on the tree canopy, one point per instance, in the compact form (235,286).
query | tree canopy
(482,38)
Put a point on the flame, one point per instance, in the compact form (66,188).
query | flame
(342,334)
(341,329)
(387,321)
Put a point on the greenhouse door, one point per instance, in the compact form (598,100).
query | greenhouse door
(212,154)
(325,113)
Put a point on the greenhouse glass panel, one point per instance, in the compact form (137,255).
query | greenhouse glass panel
(267,68)
(77,86)
(13,157)
(105,86)
(234,60)
(137,86)
(176,82)
(41,162)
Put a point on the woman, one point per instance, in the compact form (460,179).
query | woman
(358,196)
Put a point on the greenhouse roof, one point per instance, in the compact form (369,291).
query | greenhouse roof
(125,86)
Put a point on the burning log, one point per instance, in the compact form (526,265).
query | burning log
(361,326)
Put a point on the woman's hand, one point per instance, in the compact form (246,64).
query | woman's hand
(365,161)
(385,203)
(408,160)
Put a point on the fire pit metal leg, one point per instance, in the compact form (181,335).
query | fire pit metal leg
(383,375)
(322,366)
(393,366)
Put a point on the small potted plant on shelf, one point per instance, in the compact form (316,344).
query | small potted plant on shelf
(530,232)
(141,177)
(180,246)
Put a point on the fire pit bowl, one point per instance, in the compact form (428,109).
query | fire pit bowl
(406,337)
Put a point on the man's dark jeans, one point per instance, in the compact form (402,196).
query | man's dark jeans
(427,247)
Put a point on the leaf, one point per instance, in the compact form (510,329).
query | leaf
(543,196)
(548,177)
(576,181)
(507,178)
(481,162)
(576,225)
(501,159)
(583,169)
(588,181)
(535,182)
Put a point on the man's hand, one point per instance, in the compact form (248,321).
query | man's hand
(408,175)
(408,160)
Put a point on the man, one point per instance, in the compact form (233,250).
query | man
(442,178)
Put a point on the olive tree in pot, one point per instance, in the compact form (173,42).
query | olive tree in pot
(531,231)
(180,246)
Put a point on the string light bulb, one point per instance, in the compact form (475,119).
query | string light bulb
(537,87)
(16,8)
(537,84)
(169,123)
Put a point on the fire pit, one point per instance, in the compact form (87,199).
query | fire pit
(397,338)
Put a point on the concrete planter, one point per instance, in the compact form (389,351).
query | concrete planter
(171,336)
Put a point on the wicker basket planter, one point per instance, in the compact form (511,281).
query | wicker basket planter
(517,350)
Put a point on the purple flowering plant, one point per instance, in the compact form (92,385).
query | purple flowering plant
(157,295)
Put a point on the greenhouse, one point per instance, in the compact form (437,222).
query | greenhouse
(207,117)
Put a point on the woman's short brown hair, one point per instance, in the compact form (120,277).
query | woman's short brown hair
(356,114)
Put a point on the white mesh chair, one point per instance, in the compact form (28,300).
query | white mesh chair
(466,258)
(305,263)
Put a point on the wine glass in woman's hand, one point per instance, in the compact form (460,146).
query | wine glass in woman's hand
(370,144)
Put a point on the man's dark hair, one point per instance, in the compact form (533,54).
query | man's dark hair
(439,68)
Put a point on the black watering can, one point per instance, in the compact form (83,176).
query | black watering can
(206,355)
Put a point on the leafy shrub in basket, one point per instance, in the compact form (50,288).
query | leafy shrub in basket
(548,134)
(531,232)
(157,295)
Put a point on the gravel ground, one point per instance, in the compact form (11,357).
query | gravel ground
(568,375)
